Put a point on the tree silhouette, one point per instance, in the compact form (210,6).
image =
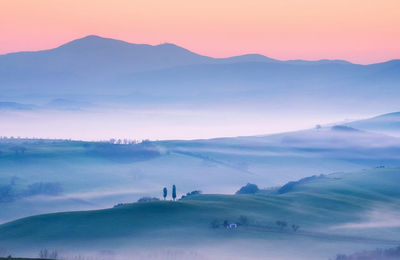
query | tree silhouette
(173,192)
(226,223)
(165,192)
(281,224)
(295,227)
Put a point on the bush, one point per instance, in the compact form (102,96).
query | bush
(148,199)
(281,224)
(295,227)
(119,205)
(248,189)
(195,192)
(226,223)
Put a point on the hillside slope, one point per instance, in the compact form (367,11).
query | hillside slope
(42,176)
(386,124)
(321,207)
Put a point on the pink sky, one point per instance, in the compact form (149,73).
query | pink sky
(361,31)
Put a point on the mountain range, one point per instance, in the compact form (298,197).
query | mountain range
(106,71)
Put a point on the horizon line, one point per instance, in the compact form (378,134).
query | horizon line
(225,57)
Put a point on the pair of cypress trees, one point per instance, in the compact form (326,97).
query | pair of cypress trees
(165,192)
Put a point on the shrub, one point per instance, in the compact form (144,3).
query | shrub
(281,224)
(226,223)
(248,189)
(119,205)
(148,199)
(295,227)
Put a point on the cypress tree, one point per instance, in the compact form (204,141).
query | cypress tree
(173,192)
(165,192)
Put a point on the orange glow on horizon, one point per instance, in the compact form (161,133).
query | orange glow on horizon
(361,31)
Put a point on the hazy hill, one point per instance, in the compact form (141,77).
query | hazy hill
(126,172)
(15,106)
(387,124)
(112,71)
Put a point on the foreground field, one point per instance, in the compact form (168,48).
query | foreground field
(334,213)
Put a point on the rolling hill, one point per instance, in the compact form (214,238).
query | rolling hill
(42,176)
(327,209)
(387,124)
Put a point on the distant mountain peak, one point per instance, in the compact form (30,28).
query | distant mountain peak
(92,36)
(168,44)
(94,41)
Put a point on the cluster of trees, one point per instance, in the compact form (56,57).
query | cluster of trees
(248,189)
(241,221)
(165,192)
(10,138)
(195,192)
(122,141)
(127,141)
(244,221)
(283,224)
(145,199)
(47,254)
(8,193)
(377,254)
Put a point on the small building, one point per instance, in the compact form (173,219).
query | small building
(232,226)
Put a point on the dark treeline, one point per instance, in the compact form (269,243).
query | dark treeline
(9,193)
(377,254)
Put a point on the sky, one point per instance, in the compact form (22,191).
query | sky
(360,31)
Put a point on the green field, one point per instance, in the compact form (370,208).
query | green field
(45,176)
(318,206)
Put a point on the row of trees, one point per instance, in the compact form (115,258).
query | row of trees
(283,224)
(165,192)
(47,254)
(122,141)
(241,221)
